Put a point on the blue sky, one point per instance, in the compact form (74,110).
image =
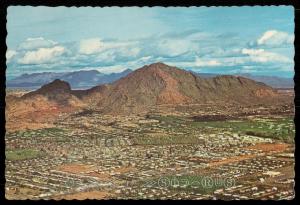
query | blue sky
(257,40)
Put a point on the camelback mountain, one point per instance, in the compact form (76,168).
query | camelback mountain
(147,87)
(160,84)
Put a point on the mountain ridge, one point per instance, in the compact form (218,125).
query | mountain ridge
(273,81)
(76,79)
(158,84)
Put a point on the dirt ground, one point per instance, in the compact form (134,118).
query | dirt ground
(269,147)
(85,195)
(22,126)
(100,176)
(21,193)
(125,169)
(261,146)
(75,168)
(231,159)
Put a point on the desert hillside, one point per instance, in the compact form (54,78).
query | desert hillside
(145,89)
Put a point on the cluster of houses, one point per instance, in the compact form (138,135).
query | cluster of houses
(121,166)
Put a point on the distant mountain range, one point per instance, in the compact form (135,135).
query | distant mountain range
(76,79)
(273,81)
(91,78)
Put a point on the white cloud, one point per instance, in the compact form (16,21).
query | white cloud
(113,69)
(122,44)
(175,47)
(42,55)
(10,54)
(107,56)
(196,50)
(108,51)
(107,69)
(34,43)
(197,63)
(206,63)
(199,36)
(262,56)
(133,51)
(90,46)
(117,55)
(274,37)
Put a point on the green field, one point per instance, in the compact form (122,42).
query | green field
(22,154)
(281,129)
(166,140)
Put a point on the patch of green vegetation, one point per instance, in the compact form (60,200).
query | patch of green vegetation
(166,140)
(45,132)
(171,123)
(54,129)
(22,154)
(280,129)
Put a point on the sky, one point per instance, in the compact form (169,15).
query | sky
(229,40)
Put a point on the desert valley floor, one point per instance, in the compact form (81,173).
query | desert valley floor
(227,153)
